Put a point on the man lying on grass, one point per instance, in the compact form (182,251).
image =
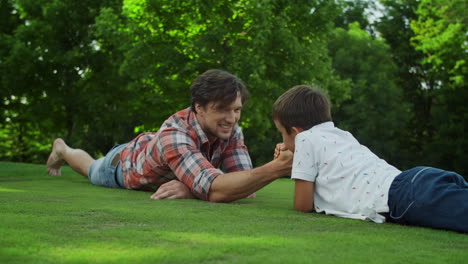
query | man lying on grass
(182,159)
(336,175)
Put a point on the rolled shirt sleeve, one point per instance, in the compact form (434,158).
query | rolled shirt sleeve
(187,162)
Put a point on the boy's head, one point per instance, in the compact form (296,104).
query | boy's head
(299,109)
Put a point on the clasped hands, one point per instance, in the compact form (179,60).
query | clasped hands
(285,156)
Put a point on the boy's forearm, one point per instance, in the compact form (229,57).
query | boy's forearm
(237,185)
(304,196)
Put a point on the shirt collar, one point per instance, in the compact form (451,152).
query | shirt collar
(193,121)
(324,125)
(327,124)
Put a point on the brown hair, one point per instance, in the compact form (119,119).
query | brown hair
(217,86)
(302,106)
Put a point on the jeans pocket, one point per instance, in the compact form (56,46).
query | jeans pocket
(110,177)
(402,200)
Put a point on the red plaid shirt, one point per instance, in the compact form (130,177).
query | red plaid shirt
(181,150)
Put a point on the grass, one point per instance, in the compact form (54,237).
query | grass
(65,219)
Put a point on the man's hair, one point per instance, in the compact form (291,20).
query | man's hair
(217,86)
(302,106)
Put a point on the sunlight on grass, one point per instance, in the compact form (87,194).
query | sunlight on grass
(10,190)
(217,239)
(107,252)
(167,245)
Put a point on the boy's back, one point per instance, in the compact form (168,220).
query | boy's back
(350,180)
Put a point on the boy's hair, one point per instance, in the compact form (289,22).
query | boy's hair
(302,106)
(217,86)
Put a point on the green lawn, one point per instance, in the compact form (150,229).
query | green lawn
(65,219)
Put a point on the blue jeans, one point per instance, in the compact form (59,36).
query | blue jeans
(430,197)
(102,173)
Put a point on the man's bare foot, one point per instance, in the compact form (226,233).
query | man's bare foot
(55,160)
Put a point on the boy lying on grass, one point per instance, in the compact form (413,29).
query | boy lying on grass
(336,175)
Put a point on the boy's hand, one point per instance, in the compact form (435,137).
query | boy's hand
(285,159)
(279,148)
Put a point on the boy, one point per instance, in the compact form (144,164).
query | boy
(336,175)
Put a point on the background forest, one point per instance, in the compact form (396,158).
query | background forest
(97,72)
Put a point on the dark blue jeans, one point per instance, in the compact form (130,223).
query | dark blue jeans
(431,197)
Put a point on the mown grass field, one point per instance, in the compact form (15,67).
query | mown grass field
(65,219)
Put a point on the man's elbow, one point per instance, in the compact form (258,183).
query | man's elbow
(228,197)
(217,197)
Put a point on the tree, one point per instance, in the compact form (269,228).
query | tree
(353,11)
(430,59)
(394,27)
(107,69)
(375,112)
(60,78)
(270,45)
(440,34)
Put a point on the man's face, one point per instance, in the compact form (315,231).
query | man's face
(218,121)
(288,139)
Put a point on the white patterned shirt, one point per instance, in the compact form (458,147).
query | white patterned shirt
(350,180)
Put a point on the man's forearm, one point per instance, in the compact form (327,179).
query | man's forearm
(237,185)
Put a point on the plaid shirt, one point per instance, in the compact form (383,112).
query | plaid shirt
(181,150)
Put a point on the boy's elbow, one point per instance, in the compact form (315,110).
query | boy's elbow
(305,208)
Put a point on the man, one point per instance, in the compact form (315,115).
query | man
(182,159)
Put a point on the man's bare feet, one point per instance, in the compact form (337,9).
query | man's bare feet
(55,160)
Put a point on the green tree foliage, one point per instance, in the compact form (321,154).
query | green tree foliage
(430,59)
(441,35)
(353,11)
(57,81)
(98,72)
(95,72)
(394,27)
(270,45)
(375,112)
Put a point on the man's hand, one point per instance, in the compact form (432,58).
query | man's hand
(173,190)
(241,184)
